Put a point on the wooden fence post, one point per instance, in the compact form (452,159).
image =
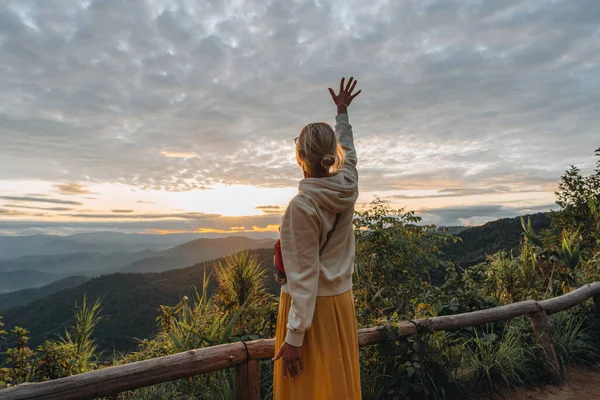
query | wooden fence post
(247,380)
(543,333)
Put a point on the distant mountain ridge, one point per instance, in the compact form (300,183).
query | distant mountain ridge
(502,234)
(32,271)
(196,251)
(15,280)
(77,263)
(26,296)
(12,247)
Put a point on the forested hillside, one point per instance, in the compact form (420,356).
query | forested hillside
(130,304)
(480,241)
(26,296)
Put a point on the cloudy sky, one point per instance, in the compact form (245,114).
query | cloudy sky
(166,116)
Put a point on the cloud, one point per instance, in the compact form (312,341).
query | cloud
(39,208)
(455,94)
(17,213)
(477,215)
(124,214)
(145,202)
(40,200)
(5,211)
(274,210)
(453,192)
(71,189)
(178,154)
(266,225)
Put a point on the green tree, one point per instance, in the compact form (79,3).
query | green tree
(395,259)
(18,358)
(575,192)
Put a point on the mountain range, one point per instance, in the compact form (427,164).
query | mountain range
(12,247)
(35,270)
(26,296)
(132,294)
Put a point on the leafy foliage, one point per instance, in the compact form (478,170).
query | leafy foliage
(72,354)
(574,195)
(395,258)
(240,305)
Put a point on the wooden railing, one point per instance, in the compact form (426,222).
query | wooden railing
(244,357)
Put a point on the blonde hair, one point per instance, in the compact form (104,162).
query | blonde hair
(318,148)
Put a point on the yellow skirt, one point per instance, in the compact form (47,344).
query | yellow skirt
(329,354)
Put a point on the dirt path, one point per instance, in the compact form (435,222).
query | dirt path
(582,384)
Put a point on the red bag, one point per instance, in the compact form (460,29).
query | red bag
(279,271)
(279,268)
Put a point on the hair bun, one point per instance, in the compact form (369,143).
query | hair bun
(328,161)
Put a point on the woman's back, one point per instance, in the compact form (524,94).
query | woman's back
(316,323)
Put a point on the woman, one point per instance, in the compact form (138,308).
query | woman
(316,336)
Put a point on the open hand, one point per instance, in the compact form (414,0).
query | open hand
(345,96)
(292,359)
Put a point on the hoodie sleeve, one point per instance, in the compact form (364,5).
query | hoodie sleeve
(345,136)
(300,240)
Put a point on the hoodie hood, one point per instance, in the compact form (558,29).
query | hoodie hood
(336,193)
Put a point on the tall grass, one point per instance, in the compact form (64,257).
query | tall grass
(372,379)
(490,359)
(266,379)
(80,336)
(214,386)
(193,323)
(241,279)
(573,341)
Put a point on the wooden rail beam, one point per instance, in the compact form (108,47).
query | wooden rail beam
(569,300)
(108,381)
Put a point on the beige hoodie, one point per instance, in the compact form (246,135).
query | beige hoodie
(305,224)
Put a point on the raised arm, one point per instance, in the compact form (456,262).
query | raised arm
(343,128)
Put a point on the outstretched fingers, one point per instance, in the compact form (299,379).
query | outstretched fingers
(355,94)
(353,86)
(349,84)
(332,93)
